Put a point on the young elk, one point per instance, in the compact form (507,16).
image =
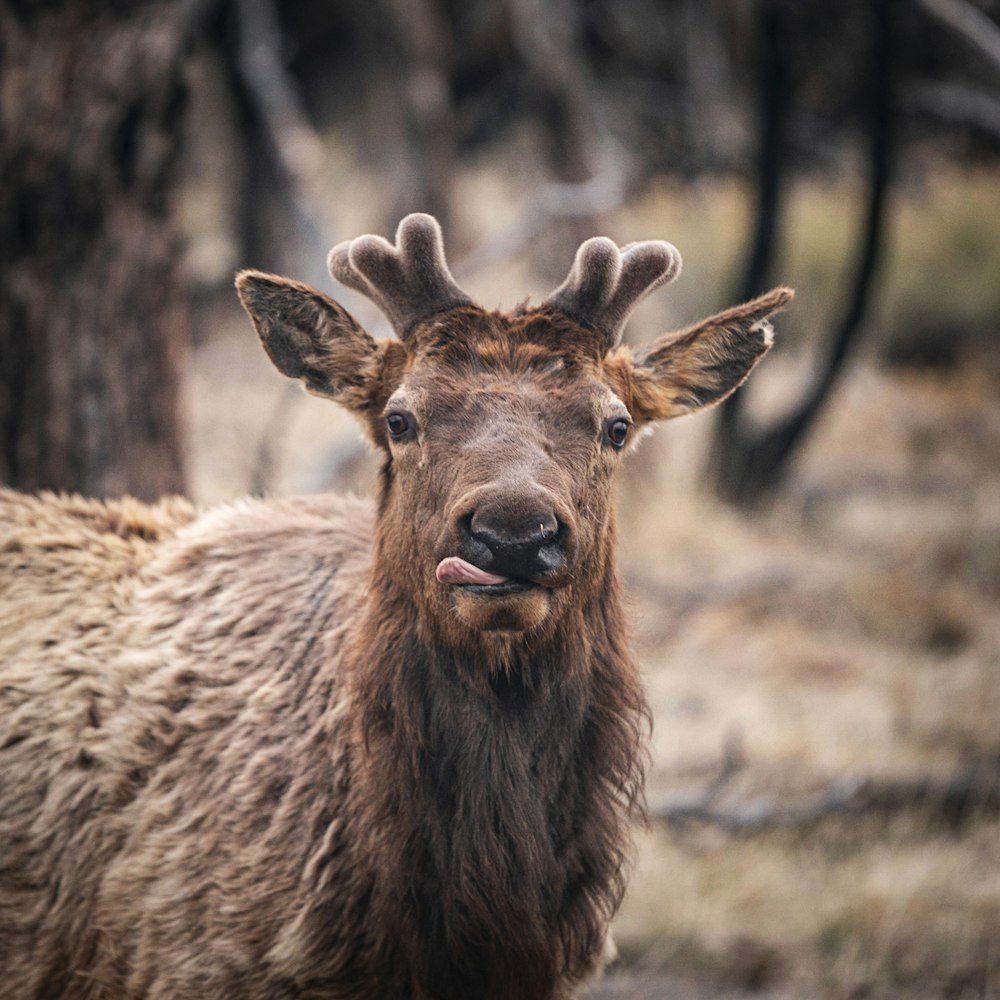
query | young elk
(298,748)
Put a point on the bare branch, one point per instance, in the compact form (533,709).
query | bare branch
(969,22)
(957,103)
(748,466)
(294,142)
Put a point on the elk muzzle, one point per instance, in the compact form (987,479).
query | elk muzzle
(522,544)
(516,533)
(508,548)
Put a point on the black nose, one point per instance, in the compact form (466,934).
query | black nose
(522,544)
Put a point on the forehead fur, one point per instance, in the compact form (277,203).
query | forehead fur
(532,341)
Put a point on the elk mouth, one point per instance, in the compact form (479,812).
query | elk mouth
(457,572)
(490,602)
(499,589)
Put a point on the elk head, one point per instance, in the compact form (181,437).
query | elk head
(502,432)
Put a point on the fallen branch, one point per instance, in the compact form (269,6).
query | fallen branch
(973,790)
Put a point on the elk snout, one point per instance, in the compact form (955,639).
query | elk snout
(520,536)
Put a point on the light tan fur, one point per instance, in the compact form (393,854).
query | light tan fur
(106,613)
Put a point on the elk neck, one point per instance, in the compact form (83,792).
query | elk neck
(503,772)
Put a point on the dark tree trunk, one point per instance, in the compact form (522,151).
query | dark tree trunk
(775,93)
(422,89)
(92,319)
(283,220)
(406,48)
(748,465)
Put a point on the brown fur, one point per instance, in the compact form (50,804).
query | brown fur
(260,752)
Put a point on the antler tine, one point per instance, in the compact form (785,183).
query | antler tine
(605,284)
(409,281)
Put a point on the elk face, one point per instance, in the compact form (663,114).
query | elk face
(503,441)
(502,432)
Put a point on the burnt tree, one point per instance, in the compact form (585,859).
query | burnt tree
(749,464)
(92,322)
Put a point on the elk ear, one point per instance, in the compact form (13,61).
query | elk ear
(310,337)
(697,367)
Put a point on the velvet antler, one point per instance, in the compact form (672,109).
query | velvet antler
(409,281)
(605,284)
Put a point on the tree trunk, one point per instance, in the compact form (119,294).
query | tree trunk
(92,320)
(749,465)
(548,37)
(421,36)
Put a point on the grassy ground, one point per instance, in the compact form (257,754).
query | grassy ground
(850,634)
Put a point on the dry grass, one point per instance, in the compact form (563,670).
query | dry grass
(838,909)
(853,632)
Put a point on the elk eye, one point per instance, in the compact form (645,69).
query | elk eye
(399,425)
(617,432)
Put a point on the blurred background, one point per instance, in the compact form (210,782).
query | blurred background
(815,565)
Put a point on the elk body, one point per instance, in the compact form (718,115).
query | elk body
(304,748)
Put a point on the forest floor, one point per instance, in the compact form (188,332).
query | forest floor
(825,781)
(826,774)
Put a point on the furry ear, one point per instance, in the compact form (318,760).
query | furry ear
(697,367)
(310,337)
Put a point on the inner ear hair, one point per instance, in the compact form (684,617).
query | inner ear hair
(699,366)
(309,336)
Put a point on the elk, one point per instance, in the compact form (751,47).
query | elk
(308,748)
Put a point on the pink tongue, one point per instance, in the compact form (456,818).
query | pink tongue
(455,570)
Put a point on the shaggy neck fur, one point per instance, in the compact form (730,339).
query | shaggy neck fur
(497,781)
